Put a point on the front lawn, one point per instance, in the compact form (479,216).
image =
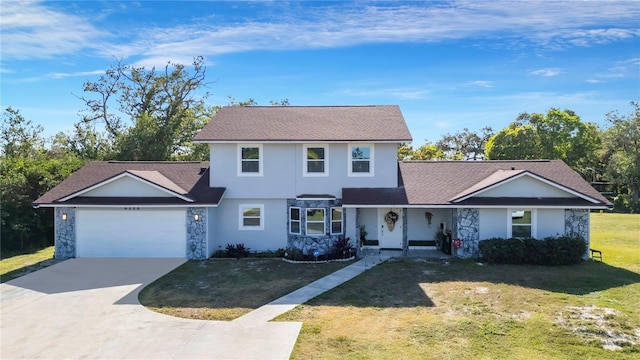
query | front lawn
(224,289)
(15,266)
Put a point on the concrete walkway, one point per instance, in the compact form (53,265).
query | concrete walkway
(308,292)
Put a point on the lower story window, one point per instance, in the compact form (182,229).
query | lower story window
(294,220)
(521,223)
(251,217)
(336,221)
(315,221)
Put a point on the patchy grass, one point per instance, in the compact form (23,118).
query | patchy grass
(225,289)
(461,310)
(18,265)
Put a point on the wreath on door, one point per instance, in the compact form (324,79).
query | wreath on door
(390,218)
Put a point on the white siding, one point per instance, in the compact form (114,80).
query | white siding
(550,222)
(211,231)
(493,223)
(418,227)
(369,218)
(525,186)
(272,237)
(127,186)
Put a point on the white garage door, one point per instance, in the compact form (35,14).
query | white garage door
(131,233)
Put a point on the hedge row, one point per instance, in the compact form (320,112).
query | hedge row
(561,250)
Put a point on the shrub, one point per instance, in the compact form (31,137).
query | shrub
(342,249)
(237,251)
(219,254)
(561,250)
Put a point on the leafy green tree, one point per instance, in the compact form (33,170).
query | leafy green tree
(554,135)
(465,145)
(165,109)
(428,151)
(621,153)
(85,142)
(27,170)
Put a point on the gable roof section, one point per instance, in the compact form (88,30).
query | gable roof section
(376,123)
(187,181)
(454,184)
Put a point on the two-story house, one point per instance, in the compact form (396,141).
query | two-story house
(303,176)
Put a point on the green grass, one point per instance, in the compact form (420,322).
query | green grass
(15,266)
(461,310)
(224,289)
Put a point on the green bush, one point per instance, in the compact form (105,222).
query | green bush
(561,250)
(237,250)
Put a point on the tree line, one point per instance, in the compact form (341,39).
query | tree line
(133,113)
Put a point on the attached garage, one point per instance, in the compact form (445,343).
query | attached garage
(131,232)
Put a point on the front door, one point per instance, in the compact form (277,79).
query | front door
(390,228)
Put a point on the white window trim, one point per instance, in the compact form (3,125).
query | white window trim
(299,221)
(260,159)
(350,162)
(241,209)
(534,225)
(331,221)
(304,160)
(306,222)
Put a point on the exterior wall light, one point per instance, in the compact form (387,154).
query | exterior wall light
(64,216)
(196,217)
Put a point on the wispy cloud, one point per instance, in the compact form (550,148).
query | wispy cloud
(481,83)
(34,30)
(548,72)
(397,93)
(80,73)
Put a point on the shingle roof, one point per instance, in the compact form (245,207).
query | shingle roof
(187,178)
(306,123)
(439,182)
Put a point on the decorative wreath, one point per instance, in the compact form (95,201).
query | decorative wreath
(391,217)
(457,243)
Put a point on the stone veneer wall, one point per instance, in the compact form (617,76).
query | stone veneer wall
(307,244)
(576,222)
(197,234)
(65,233)
(468,230)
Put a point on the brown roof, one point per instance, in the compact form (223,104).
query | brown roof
(306,123)
(441,182)
(190,179)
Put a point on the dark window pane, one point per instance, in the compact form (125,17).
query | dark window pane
(250,153)
(295,227)
(360,166)
(251,221)
(315,166)
(521,231)
(336,227)
(250,166)
(295,214)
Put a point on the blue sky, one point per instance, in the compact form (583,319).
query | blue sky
(448,64)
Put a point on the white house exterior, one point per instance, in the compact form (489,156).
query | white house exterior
(302,177)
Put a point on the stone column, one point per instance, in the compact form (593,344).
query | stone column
(468,230)
(576,222)
(197,233)
(65,233)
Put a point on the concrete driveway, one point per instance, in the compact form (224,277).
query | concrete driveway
(88,308)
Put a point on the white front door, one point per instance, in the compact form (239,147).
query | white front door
(390,228)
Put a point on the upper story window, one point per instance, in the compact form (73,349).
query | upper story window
(251,217)
(316,160)
(521,224)
(361,160)
(250,160)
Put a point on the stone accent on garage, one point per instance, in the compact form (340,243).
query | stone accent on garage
(197,233)
(576,222)
(65,233)
(468,231)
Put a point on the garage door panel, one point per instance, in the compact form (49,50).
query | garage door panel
(122,233)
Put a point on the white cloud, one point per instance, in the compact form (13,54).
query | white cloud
(80,73)
(481,83)
(33,30)
(547,72)
(594,81)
